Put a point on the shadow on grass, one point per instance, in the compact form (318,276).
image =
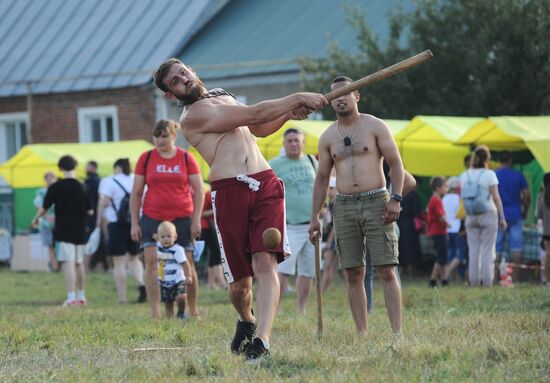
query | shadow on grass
(35,303)
(286,368)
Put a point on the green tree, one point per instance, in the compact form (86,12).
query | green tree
(490,58)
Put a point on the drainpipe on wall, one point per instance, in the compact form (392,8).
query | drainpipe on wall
(29,111)
(160,105)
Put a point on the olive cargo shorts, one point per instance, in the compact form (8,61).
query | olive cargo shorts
(357,218)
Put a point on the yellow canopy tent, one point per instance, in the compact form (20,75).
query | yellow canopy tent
(271,146)
(26,169)
(427,144)
(24,172)
(516,134)
(513,133)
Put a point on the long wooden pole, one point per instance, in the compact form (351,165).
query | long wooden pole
(380,75)
(318,286)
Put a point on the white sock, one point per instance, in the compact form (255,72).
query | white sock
(71,296)
(266,343)
(80,295)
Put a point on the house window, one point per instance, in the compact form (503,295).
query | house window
(98,124)
(13,134)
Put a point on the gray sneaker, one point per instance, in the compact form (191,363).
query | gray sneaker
(255,351)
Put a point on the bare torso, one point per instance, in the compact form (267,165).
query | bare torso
(228,153)
(359,165)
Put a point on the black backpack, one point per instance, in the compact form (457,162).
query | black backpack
(123,212)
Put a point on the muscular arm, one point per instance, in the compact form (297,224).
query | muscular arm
(208,117)
(409,183)
(268,128)
(389,151)
(320,185)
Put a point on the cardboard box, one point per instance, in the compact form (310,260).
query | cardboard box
(29,254)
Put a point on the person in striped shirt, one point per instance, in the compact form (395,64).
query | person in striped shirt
(174,271)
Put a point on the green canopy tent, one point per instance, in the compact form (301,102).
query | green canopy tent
(513,133)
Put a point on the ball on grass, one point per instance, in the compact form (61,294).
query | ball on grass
(271,238)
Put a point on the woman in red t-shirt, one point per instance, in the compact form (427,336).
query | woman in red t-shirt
(169,173)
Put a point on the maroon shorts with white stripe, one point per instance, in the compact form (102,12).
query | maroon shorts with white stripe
(242,214)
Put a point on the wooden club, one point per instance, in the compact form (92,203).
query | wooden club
(380,75)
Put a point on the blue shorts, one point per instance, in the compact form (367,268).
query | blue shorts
(456,248)
(515,237)
(46,235)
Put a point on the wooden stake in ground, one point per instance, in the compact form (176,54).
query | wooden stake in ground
(318,285)
(159,349)
(380,75)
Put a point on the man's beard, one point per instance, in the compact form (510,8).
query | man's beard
(196,92)
(343,113)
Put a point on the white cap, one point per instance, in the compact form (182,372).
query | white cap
(332,182)
(454,182)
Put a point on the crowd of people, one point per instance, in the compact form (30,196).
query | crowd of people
(475,219)
(128,208)
(370,215)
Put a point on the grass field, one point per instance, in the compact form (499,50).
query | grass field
(454,334)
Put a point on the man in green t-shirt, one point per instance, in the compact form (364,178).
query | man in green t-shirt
(297,170)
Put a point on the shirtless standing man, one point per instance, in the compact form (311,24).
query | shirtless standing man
(247,197)
(355,145)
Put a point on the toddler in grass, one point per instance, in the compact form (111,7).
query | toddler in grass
(174,271)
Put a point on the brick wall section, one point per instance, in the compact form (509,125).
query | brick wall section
(13,105)
(55,116)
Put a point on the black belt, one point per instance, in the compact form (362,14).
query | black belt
(301,223)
